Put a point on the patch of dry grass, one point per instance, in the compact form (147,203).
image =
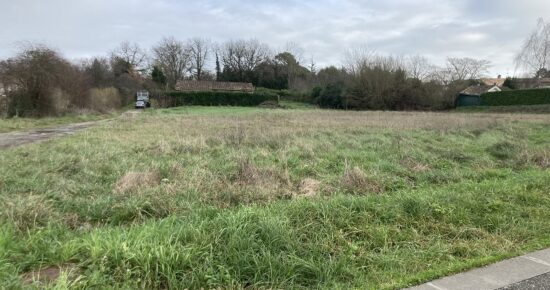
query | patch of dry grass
(137,180)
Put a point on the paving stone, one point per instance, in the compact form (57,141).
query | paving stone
(498,275)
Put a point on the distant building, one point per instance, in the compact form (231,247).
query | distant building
(471,96)
(213,86)
(499,81)
(519,83)
(534,83)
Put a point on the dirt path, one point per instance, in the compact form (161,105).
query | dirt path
(13,139)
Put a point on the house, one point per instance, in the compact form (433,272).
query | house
(213,86)
(499,81)
(533,83)
(519,83)
(471,96)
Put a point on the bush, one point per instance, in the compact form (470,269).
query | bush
(176,99)
(45,84)
(517,97)
(288,95)
(105,99)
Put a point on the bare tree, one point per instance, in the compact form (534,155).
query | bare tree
(418,67)
(361,58)
(460,69)
(199,49)
(296,50)
(243,56)
(173,58)
(42,82)
(132,54)
(535,53)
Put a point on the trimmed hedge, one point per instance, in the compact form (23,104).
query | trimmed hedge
(516,97)
(176,99)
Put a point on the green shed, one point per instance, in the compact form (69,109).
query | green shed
(471,96)
(464,100)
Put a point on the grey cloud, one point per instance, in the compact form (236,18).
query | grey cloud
(487,29)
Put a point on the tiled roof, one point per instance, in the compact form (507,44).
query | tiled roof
(207,86)
(476,90)
(494,82)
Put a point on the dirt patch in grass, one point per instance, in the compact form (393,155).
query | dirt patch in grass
(47,275)
(137,180)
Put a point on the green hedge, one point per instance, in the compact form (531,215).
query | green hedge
(516,97)
(176,99)
(288,95)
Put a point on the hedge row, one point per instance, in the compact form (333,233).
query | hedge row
(176,99)
(516,97)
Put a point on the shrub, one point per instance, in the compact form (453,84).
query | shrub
(175,99)
(503,150)
(517,97)
(104,99)
(44,82)
(288,95)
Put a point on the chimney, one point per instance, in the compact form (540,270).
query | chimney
(499,77)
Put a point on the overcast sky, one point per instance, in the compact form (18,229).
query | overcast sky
(325,29)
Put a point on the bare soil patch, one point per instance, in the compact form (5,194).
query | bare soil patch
(14,139)
(46,275)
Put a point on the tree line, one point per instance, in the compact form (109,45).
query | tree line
(39,81)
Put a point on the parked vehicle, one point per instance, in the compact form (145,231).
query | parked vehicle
(142,100)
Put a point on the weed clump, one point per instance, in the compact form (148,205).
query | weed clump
(542,159)
(27,212)
(247,172)
(136,180)
(354,180)
(503,150)
(309,188)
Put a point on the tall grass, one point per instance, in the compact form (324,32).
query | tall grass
(249,198)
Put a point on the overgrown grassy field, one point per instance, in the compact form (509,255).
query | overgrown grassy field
(530,109)
(256,198)
(22,124)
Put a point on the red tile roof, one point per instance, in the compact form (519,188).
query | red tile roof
(208,86)
(476,90)
(493,82)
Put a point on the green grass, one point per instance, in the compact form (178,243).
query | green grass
(531,109)
(22,124)
(296,105)
(252,198)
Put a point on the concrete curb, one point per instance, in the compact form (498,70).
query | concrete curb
(495,276)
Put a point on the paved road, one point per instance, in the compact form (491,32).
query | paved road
(531,271)
(14,139)
(541,282)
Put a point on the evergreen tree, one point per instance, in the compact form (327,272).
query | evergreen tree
(158,76)
(218,68)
